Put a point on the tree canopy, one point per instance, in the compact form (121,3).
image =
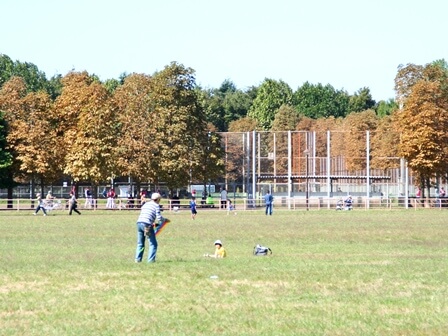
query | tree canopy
(271,95)
(163,127)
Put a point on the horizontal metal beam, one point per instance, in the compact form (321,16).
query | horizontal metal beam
(321,177)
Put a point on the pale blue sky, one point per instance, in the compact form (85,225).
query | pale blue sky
(349,44)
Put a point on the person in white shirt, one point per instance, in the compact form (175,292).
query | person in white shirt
(223,198)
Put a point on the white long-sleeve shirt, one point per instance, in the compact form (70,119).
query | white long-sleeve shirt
(149,213)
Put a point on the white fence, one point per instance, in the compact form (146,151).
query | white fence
(241,204)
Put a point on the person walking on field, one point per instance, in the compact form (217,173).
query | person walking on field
(40,205)
(149,215)
(268,199)
(73,204)
(193,207)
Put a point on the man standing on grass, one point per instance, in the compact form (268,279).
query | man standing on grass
(223,198)
(149,214)
(268,199)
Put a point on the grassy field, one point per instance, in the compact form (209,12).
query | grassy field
(331,273)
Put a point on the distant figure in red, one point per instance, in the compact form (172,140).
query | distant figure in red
(418,193)
(111,199)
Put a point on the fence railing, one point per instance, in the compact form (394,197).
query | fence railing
(280,203)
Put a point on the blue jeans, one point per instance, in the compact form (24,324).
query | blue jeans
(141,243)
(40,207)
(269,209)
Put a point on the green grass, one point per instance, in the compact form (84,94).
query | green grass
(331,273)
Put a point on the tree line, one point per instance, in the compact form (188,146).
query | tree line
(164,127)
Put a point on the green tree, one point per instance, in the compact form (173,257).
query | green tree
(5,156)
(225,104)
(55,86)
(318,101)
(35,79)
(210,155)
(386,108)
(271,95)
(6,69)
(361,101)
(179,123)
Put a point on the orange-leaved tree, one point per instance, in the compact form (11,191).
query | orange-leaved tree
(422,123)
(136,149)
(87,128)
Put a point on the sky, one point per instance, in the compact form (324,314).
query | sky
(349,44)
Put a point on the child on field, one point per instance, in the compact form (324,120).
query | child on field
(220,251)
(230,207)
(193,208)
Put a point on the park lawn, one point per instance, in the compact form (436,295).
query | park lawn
(331,273)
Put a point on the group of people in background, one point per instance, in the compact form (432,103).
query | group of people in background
(225,203)
(48,203)
(441,192)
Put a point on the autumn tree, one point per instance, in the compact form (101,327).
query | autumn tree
(87,128)
(286,119)
(422,123)
(355,126)
(136,151)
(34,138)
(321,126)
(422,92)
(384,145)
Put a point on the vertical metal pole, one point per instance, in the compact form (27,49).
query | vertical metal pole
(275,162)
(406,185)
(254,181)
(243,165)
(226,164)
(259,154)
(289,170)
(328,168)
(313,169)
(248,162)
(307,184)
(368,168)
(402,179)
